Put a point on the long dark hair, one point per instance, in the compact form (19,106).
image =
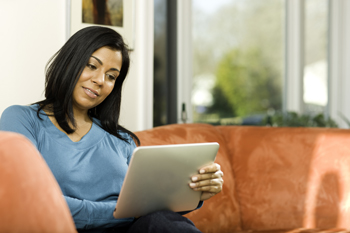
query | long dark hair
(64,69)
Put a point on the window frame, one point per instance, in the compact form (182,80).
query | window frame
(338,54)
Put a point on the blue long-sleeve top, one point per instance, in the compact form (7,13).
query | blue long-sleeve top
(90,172)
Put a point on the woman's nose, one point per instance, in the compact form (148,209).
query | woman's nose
(98,78)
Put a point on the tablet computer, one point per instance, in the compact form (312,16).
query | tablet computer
(158,178)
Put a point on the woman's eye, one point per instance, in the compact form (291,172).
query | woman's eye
(111,77)
(91,66)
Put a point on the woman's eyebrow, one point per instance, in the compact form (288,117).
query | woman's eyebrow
(101,63)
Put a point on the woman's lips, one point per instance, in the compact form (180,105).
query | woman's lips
(90,93)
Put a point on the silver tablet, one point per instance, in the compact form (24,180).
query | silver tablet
(158,178)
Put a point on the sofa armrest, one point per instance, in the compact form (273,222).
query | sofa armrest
(30,197)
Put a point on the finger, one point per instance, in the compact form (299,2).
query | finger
(211,182)
(210,168)
(210,189)
(207,176)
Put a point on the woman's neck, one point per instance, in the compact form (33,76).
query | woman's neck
(83,124)
(81,117)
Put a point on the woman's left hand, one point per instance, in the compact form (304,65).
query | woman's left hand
(209,181)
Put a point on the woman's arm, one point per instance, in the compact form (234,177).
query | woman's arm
(86,214)
(89,214)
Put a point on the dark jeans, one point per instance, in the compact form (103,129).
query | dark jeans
(160,221)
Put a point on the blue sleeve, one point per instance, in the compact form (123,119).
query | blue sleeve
(131,149)
(200,204)
(89,214)
(17,119)
(86,214)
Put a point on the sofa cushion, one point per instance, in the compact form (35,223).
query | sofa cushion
(30,198)
(221,212)
(300,230)
(289,178)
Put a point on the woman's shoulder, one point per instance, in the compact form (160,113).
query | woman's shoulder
(20,110)
(18,118)
(121,133)
(21,119)
(125,135)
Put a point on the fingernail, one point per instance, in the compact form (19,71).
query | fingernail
(194,178)
(202,171)
(192,185)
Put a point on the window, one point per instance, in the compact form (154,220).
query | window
(315,69)
(237,60)
(165,63)
(160,64)
(250,59)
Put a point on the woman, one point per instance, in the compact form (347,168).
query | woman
(76,130)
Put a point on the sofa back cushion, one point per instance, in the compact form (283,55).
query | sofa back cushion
(30,198)
(290,178)
(221,212)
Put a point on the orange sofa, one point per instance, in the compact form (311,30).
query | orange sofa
(275,179)
(30,198)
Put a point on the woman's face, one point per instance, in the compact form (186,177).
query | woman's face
(97,79)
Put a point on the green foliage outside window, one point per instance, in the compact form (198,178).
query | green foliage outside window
(293,119)
(247,83)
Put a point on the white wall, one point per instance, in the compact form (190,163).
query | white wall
(137,102)
(32,31)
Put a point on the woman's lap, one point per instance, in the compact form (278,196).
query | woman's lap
(161,221)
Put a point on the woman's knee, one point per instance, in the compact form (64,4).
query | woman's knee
(163,221)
